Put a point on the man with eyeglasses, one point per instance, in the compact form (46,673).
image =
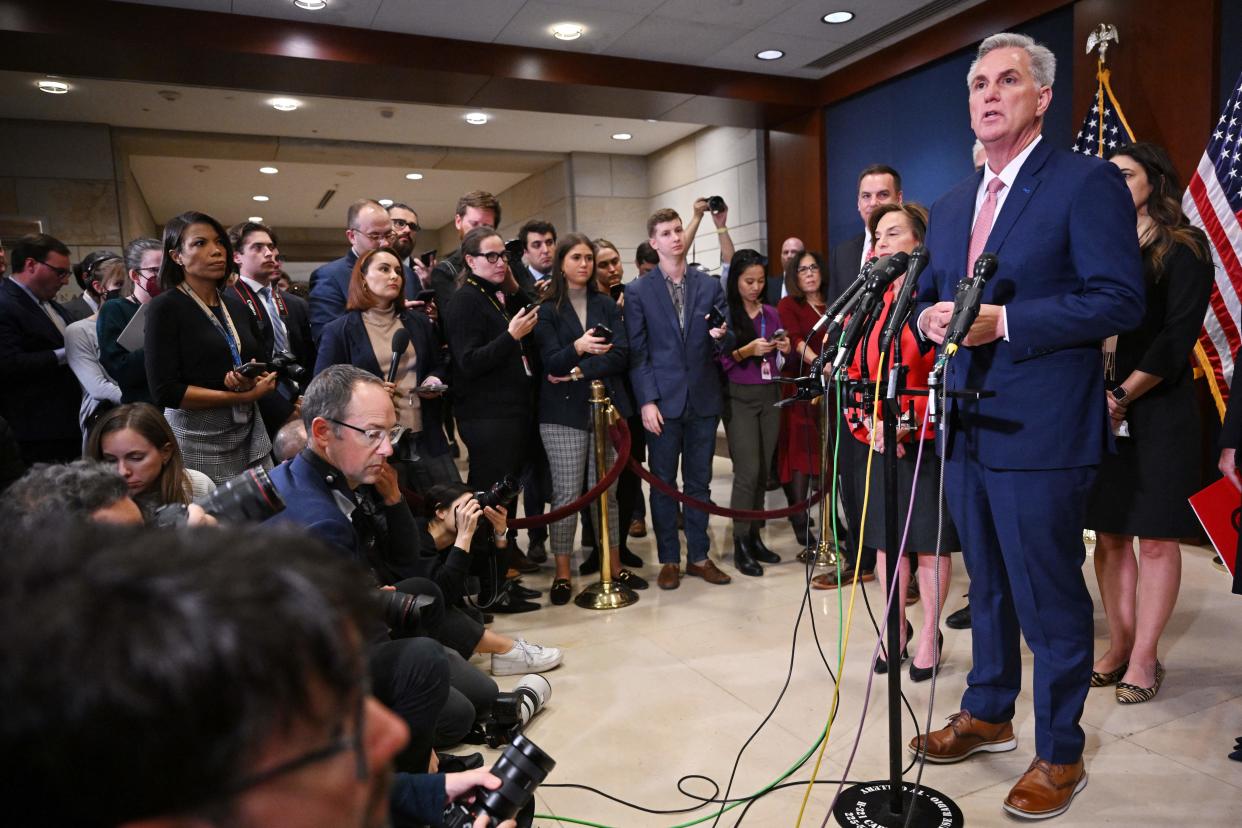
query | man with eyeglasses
(368,227)
(212,699)
(41,395)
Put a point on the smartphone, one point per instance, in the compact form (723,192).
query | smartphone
(252,369)
(603,332)
(715,318)
(530,307)
(617,290)
(779,333)
(427,257)
(425,296)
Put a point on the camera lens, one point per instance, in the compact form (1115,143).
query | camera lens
(521,769)
(251,496)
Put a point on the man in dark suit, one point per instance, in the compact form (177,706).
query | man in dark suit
(41,396)
(673,349)
(282,319)
(1019,465)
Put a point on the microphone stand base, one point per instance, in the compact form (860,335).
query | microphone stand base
(606,596)
(868,805)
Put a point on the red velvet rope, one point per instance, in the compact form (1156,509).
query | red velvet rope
(620,436)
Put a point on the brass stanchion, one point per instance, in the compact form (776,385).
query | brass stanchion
(604,594)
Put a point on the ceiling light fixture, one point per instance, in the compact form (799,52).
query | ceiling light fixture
(284,104)
(260,198)
(255,219)
(414,176)
(52,87)
(838,17)
(476,118)
(268,170)
(567,31)
(385,202)
(621,136)
(311,5)
(770,54)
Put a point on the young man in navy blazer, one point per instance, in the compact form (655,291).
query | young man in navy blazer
(673,348)
(1019,465)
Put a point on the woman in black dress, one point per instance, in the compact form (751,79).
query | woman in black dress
(1142,489)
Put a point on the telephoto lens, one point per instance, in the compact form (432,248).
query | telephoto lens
(402,612)
(521,769)
(500,493)
(512,711)
(249,497)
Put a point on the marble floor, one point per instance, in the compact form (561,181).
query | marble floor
(678,683)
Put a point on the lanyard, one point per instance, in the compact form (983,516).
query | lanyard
(254,302)
(230,336)
(490,297)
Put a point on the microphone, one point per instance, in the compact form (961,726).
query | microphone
(966,302)
(900,309)
(883,274)
(400,341)
(844,302)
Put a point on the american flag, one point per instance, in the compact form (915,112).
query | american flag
(1213,202)
(1105,128)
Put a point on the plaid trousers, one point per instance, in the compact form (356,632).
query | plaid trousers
(571,456)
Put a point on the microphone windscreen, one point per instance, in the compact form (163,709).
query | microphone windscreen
(400,341)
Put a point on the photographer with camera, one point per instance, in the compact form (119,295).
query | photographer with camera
(401,347)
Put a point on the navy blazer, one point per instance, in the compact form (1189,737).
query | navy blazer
(1070,274)
(345,342)
(329,290)
(310,504)
(568,403)
(843,267)
(668,366)
(40,398)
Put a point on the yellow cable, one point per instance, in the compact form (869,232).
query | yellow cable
(849,618)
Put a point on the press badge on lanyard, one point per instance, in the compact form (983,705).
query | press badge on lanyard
(526,366)
(765,367)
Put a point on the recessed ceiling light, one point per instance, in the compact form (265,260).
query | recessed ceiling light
(255,219)
(838,17)
(476,118)
(260,198)
(567,31)
(284,104)
(770,54)
(385,202)
(311,5)
(52,87)
(621,136)
(268,170)
(414,176)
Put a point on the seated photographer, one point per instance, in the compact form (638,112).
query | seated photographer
(139,443)
(366,336)
(162,689)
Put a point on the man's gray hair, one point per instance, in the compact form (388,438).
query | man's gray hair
(329,394)
(1043,61)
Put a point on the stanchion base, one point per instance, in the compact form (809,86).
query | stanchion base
(604,596)
(867,806)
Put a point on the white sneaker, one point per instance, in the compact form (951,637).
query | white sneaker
(525,658)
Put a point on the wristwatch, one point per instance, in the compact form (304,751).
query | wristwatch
(1120,394)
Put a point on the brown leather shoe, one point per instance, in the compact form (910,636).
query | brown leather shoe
(829,579)
(963,736)
(1046,790)
(670,577)
(638,528)
(708,571)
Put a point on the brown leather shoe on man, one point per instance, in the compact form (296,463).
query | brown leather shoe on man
(670,577)
(964,736)
(1046,790)
(708,571)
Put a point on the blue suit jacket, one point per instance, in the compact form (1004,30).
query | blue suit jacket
(668,366)
(329,290)
(344,341)
(309,503)
(568,403)
(1070,275)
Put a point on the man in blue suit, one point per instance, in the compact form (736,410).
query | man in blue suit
(673,350)
(1019,465)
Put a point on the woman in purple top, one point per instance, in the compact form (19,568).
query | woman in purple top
(752,421)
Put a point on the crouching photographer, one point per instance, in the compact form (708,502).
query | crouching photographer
(162,689)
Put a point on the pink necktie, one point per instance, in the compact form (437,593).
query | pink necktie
(983,224)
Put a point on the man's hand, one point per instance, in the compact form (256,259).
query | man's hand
(717,333)
(934,323)
(652,421)
(721,219)
(1116,410)
(989,326)
(700,207)
(387,486)
(1228,466)
(457,785)
(195,515)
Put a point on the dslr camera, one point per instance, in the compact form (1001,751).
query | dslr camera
(501,492)
(248,498)
(521,769)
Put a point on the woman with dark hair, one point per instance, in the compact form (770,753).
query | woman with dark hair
(1142,489)
(129,367)
(899,228)
(364,337)
(581,338)
(138,440)
(798,450)
(752,421)
(197,343)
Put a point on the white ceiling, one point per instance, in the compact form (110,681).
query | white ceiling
(710,33)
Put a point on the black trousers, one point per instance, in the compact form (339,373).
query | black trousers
(411,676)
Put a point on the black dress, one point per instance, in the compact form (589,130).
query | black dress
(1143,489)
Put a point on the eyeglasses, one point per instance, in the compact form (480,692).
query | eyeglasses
(62,272)
(376,237)
(805,269)
(492,257)
(150,272)
(374,436)
(401,224)
(339,744)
